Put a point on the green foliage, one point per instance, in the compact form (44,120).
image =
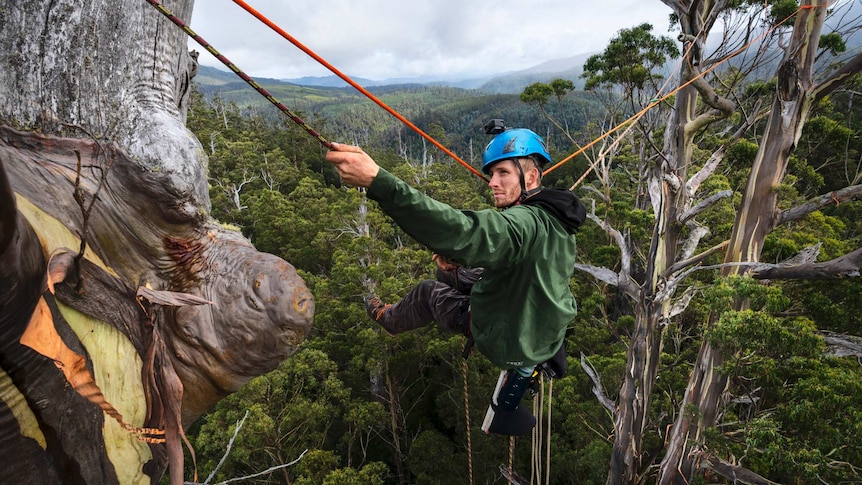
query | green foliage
(791,401)
(833,42)
(629,59)
(290,409)
(537,93)
(371,408)
(783,11)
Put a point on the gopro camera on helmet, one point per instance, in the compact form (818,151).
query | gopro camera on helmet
(494,127)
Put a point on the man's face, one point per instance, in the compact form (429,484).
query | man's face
(505,183)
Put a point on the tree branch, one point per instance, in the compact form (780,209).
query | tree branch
(625,256)
(600,273)
(717,156)
(734,473)
(722,107)
(846,266)
(703,205)
(239,425)
(838,78)
(598,389)
(840,345)
(696,259)
(697,232)
(268,470)
(795,213)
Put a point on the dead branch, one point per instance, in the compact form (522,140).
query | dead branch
(229,446)
(239,425)
(600,273)
(846,266)
(717,156)
(697,232)
(703,205)
(682,302)
(734,473)
(598,389)
(667,288)
(795,213)
(842,345)
(695,260)
(268,470)
(625,256)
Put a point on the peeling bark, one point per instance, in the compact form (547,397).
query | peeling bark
(166,311)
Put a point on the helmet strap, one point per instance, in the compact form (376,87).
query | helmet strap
(525,194)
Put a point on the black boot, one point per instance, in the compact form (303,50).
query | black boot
(518,422)
(505,415)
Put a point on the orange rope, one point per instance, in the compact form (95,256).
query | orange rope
(359,88)
(623,134)
(652,104)
(581,150)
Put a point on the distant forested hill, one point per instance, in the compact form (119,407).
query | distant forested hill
(454,116)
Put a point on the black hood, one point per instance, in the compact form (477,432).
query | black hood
(562,204)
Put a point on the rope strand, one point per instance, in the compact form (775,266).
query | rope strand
(359,88)
(467,414)
(245,77)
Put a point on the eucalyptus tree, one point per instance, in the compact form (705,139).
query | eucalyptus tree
(796,94)
(710,115)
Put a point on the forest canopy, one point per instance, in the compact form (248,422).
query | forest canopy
(371,408)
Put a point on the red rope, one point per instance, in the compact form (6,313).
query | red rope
(359,88)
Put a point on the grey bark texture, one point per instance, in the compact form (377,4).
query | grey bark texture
(93,147)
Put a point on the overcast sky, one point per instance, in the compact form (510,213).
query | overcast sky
(380,39)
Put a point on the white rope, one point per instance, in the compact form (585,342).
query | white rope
(548,434)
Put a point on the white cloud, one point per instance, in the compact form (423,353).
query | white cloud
(379,39)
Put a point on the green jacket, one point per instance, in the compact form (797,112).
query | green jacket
(523,305)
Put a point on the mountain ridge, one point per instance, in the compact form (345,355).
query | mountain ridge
(511,82)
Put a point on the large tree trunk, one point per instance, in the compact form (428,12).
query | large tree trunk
(671,197)
(125,311)
(756,218)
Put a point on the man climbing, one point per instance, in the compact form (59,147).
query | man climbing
(520,308)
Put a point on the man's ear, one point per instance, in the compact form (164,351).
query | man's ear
(534,175)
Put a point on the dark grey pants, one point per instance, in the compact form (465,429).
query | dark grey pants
(445,300)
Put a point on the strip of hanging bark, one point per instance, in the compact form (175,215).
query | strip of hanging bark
(734,473)
(41,335)
(170,298)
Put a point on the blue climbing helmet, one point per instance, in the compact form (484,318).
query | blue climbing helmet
(514,143)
